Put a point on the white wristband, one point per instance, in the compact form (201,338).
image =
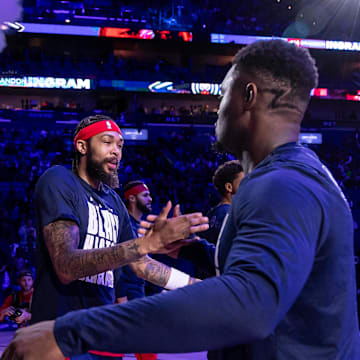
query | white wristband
(177,279)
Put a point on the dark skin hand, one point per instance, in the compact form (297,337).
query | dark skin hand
(173,248)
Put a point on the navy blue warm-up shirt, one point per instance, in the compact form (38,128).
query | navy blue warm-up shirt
(103,222)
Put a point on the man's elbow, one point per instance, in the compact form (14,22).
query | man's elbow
(263,330)
(260,327)
(64,278)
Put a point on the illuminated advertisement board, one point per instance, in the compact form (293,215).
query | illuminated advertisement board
(169,87)
(160,87)
(186,36)
(112,32)
(310,138)
(306,43)
(125,85)
(145,34)
(46,82)
(205,89)
(135,134)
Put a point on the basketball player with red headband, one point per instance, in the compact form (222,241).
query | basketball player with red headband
(129,287)
(138,202)
(85,232)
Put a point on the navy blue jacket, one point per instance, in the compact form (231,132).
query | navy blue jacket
(287,283)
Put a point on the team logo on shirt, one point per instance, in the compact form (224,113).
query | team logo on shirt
(102,231)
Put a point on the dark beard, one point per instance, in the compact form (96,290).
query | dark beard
(142,207)
(96,171)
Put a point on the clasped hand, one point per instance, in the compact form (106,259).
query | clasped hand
(167,235)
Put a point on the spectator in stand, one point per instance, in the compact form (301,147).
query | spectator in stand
(27,234)
(18,263)
(17,305)
(4,276)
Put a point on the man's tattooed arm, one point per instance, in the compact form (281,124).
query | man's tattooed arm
(154,271)
(70,263)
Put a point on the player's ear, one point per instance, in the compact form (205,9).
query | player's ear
(228,187)
(251,92)
(81,147)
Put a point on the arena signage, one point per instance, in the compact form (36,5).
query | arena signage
(205,89)
(342,45)
(306,43)
(78,30)
(46,82)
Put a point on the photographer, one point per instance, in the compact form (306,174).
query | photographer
(16,306)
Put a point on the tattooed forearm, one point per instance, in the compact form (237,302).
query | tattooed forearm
(151,270)
(70,263)
(154,271)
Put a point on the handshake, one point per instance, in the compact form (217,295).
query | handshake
(160,234)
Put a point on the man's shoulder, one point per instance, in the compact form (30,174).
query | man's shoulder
(263,186)
(57,172)
(57,177)
(283,175)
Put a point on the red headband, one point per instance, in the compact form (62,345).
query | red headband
(136,190)
(96,128)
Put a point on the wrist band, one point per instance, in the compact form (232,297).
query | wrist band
(177,279)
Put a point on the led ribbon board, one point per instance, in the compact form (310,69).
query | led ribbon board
(112,32)
(205,89)
(46,83)
(310,138)
(306,43)
(135,134)
(163,87)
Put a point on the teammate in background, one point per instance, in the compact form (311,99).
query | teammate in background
(138,202)
(226,180)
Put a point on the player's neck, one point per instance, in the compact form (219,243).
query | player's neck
(226,199)
(136,213)
(83,174)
